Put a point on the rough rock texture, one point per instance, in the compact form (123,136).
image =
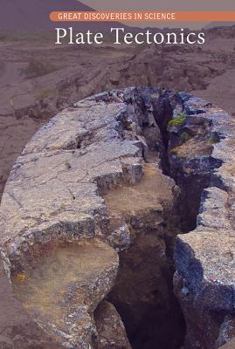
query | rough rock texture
(64,284)
(229,345)
(38,79)
(93,180)
(53,196)
(205,277)
(142,292)
(110,328)
(227,331)
(17,328)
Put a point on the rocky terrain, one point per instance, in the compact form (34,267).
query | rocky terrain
(134,247)
(38,79)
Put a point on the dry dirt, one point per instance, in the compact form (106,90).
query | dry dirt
(141,196)
(44,289)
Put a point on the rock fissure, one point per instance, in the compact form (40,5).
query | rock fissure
(94,242)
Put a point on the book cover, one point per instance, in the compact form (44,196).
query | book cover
(117,213)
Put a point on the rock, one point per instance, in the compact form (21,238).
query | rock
(62,286)
(229,345)
(53,198)
(213,212)
(68,78)
(205,256)
(141,292)
(91,157)
(110,328)
(92,184)
(18,329)
(227,333)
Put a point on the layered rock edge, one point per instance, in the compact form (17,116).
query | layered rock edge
(56,187)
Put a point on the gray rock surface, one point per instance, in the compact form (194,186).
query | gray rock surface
(204,257)
(55,195)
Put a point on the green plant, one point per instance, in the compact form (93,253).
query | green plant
(179,120)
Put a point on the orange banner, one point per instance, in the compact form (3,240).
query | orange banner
(141,16)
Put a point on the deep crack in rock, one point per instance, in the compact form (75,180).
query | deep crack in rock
(125,172)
